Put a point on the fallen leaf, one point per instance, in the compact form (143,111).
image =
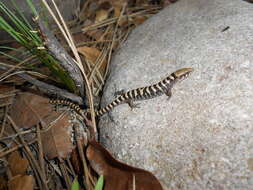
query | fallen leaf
(139,20)
(117,174)
(124,22)
(95,34)
(3,182)
(119,3)
(101,15)
(76,161)
(7,94)
(92,54)
(57,140)
(21,182)
(17,164)
(117,10)
(29,109)
(80,37)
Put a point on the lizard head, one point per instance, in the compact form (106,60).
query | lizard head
(183,73)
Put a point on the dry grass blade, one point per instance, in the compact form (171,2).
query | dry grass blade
(16,66)
(44,87)
(113,38)
(70,41)
(89,182)
(30,156)
(14,148)
(4,121)
(114,19)
(41,157)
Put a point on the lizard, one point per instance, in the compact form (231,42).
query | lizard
(162,87)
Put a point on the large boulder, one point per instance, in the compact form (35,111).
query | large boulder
(202,138)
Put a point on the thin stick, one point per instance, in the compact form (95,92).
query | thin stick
(40,147)
(46,88)
(70,39)
(64,174)
(113,38)
(2,154)
(33,160)
(64,59)
(88,88)
(4,121)
(88,179)
(16,66)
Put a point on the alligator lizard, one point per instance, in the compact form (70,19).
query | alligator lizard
(143,93)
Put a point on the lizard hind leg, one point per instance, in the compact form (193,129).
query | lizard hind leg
(168,93)
(132,105)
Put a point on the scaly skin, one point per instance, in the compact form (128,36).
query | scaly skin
(162,87)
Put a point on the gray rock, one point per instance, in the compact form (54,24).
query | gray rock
(202,138)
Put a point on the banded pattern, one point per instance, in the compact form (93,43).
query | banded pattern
(143,93)
(148,92)
(70,104)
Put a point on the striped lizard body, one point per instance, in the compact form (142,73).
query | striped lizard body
(143,93)
(148,92)
(70,104)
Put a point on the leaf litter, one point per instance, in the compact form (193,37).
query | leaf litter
(39,144)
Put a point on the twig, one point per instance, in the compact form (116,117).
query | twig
(113,38)
(70,41)
(88,178)
(72,171)
(2,154)
(28,151)
(13,136)
(4,121)
(46,88)
(64,174)
(40,147)
(16,66)
(65,60)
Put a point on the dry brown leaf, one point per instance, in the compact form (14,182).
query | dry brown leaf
(139,20)
(17,164)
(117,174)
(3,182)
(118,3)
(6,95)
(76,161)
(101,15)
(57,140)
(117,11)
(80,37)
(29,109)
(95,34)
(90,10)
(92,54)
(21,182)
(124,22)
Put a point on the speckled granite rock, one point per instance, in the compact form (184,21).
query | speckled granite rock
(202,138)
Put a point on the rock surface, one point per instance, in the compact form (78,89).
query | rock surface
(202,138)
